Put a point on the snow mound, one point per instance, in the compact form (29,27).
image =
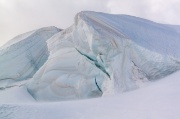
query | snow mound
(103,54)
(22,56)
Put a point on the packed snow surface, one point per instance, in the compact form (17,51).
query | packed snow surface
(22,56)
(104,54)
(158,100)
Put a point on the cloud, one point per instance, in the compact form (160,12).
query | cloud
(19,16)
(162,11)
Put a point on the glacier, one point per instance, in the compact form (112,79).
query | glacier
(22,56)
(103,54)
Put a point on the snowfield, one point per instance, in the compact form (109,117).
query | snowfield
(128,66)
(158,100)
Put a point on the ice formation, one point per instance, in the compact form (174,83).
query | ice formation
(22,56)
(102,54)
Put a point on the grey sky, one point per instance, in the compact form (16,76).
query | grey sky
(19,16)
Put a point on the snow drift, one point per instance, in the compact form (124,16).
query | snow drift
(102,54)
(22,56)
(158,100)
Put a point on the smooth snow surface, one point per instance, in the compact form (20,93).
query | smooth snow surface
(103,54)
(158,100)
(22,56)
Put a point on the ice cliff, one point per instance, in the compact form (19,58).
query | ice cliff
(101,54)
(22,56)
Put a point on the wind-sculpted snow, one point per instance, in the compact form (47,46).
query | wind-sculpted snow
(22,56)
(104,54)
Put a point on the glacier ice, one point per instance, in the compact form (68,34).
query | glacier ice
(105,54)
(22,56)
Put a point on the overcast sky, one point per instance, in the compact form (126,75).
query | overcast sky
(19,16)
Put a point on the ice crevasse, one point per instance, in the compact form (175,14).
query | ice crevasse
(103,54)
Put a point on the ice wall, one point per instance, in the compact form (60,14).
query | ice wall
(105,54)
(22,56)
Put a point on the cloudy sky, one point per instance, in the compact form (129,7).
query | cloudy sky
(19,16)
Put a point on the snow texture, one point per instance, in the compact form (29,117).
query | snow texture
(22,56)
(104,54)
(158,100)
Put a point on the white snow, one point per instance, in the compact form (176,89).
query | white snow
(158,100)
(15,95)
(104,54)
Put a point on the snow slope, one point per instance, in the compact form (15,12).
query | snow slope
(158,100)
(22,56)
(103,54)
